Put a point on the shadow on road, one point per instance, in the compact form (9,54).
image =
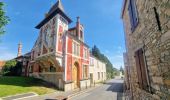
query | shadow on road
(119,96)
(116,87)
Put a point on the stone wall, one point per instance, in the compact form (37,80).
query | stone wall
(156,45)
(69,86)
(54,78)
(84,84)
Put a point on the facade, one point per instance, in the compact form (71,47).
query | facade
(147,33)
(60,55)
(24,60)
(97,70)
(126,77)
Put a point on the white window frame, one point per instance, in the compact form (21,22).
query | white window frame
(76,48)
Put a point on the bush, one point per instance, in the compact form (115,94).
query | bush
(12,68)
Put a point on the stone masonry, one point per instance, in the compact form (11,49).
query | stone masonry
(152,34)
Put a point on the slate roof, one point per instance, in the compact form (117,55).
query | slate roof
(56,8)
(27,55)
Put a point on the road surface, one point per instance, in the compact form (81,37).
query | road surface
(112,90)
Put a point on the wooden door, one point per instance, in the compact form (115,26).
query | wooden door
(75,77)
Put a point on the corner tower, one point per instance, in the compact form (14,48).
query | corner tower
(52,28)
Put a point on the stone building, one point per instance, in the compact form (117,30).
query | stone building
(97,70)
(60,55)
(147,34)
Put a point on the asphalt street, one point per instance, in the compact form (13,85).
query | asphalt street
(111,90)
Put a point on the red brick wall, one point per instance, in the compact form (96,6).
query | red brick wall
(69,65)
(69,49)
(71,60)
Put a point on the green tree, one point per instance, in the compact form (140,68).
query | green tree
(121,70)
(12,68)
(8,66)
(111,71)
(3,18)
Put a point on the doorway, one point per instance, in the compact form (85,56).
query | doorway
(75,75)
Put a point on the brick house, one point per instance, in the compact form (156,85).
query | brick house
(147,34)
(60,55)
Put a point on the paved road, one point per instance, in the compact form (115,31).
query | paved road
(112,90)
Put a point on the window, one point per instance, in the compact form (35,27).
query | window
(98,75)
(85,71)
(91,61)
(102,74)
(31,69)
(76,49)
(141,70)
(85,53)
(133,14)
(77,34)
(81,34)
(97,64)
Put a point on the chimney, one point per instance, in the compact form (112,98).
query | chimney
(78,19)
(19,49)
(78,26)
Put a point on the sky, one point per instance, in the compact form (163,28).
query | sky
(101,20)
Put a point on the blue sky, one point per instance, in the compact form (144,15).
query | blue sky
(101,19)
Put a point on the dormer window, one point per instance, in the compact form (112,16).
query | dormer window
(81,34)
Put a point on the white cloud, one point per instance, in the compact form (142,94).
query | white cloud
(116,57)
(116,60)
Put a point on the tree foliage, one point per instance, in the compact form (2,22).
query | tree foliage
(111,71)
(3,18)
(12,68)
(121,70)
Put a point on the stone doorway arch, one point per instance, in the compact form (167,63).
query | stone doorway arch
(75,75)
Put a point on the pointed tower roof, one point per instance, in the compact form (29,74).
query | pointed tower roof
(57,5)
(55,9)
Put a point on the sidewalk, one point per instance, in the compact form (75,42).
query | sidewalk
(61,93)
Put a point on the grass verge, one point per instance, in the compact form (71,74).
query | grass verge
(18,85)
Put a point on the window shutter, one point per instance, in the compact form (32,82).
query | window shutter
(139,74)
(131,15)
(134,14)
(143,70)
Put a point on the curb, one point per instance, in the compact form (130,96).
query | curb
(10,96)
